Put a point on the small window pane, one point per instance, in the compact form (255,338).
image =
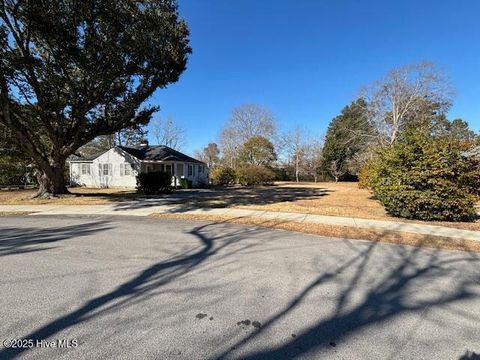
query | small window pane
(85,169)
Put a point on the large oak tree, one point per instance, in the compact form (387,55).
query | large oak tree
(74,70)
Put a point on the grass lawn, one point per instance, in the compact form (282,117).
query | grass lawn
(338,199)
(79,196)
(326,198)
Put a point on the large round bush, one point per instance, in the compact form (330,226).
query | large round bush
(248,175)
(222,175)
(427,179)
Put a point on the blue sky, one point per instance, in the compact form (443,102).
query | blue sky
(306,59)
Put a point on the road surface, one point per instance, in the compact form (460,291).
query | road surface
(126,288)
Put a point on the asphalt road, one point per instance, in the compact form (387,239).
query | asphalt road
(142,288)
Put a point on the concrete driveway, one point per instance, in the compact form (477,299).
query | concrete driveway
(127,288)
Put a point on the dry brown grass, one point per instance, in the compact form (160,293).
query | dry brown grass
(347,199)
(342,232)
(78,196)
(326,198)
(340,199)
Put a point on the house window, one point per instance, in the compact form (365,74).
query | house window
(190,170)
(180,169)
(85,169)
(126,169)
(104,169)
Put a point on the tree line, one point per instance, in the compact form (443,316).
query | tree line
(251,141)
(372,123)
(396,137)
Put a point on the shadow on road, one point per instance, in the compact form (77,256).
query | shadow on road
(146,282)
(469,355)
(23,240)
(392,295)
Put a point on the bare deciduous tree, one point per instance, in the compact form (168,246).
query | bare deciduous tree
(336,170)
(395,99)
(294,144)
(245,122)
(168,132)
(313,158)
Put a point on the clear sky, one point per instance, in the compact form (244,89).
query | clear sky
(306,59)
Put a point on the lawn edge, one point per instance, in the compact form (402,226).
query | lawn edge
(340,232)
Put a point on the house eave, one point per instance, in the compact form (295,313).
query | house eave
(172,161)
(79,161)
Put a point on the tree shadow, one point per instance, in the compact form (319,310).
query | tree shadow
(225,197)
(469,355)
(386,299)
(391,297)
(32,239)
(147,282)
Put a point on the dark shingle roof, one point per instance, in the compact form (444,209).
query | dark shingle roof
(157,153)
(80,158)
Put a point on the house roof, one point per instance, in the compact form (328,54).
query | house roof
(80,158)
(145,153)
(157,153)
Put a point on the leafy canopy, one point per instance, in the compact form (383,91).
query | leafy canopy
(258,151)
(71,71)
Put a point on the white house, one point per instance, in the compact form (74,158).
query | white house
(119,166)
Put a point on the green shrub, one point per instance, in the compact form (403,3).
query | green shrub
(154,182)
(183,183)
(427,179)
(222,176)
(367,174)
(255,175)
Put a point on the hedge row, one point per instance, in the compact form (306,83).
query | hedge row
(246,175)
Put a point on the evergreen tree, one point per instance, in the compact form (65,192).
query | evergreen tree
(72,71)
(347,136)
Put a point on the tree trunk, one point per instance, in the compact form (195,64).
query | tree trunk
(51,179)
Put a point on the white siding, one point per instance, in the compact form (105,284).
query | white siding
(114,157)
(113,160)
